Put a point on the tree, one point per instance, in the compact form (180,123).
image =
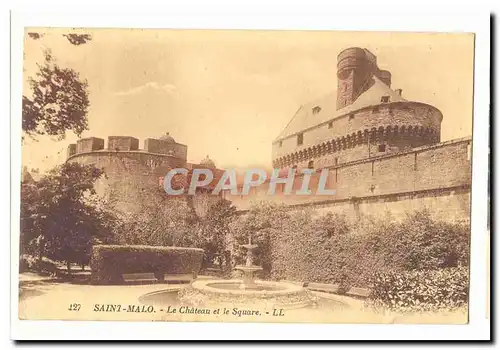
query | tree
(62,216)
(162,220)
(59,100)
(158,219)
(78,39)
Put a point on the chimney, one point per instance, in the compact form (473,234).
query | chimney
(399,91)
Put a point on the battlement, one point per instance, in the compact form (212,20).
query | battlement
(161,146)
(123,143)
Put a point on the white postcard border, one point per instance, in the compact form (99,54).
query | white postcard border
(374,16)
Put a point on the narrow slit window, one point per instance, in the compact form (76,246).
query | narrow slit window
(300,139)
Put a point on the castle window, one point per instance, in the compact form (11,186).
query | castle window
(330,125)
(310,165)
(281,143)
(300,139)
(336,161)
(384,99)
(316,110)
(381,148)
(351,116)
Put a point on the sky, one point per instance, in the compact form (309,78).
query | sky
(228,94)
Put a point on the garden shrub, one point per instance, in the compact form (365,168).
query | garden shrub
(109,262)
(421,290)
(24,263)
(313,250)
(297,245)
(46,267)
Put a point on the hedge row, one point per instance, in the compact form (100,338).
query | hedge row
(303,246)
(109,262)
(422,290)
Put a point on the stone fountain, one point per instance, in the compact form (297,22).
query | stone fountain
(245,295)
(249,269)
(246,291)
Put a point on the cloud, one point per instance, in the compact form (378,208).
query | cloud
(168,88)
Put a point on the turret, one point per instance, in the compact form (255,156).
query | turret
(355,66)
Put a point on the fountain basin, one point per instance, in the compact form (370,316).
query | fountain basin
(231,287)
(266,295)
(325,308)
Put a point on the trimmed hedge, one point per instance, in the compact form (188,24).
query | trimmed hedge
(109,262)
(300,245)
(424,290)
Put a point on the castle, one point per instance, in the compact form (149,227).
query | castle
(134,176)
(383,153)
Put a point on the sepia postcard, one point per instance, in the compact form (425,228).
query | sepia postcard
(245,176)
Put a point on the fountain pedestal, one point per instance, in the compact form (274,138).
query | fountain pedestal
(249,269)
(262,295)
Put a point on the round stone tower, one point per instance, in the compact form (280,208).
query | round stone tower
(131,174)
(354,67)
(366,119)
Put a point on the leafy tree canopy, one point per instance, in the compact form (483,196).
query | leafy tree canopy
(62,216)
(59,101)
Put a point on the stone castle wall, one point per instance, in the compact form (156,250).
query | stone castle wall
(427,171)
(452,205)
(131,180)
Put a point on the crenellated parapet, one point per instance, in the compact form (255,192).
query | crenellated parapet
(123,143)
(119,144)
(393,138)
(89,144)
(392,126)
(363,118)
